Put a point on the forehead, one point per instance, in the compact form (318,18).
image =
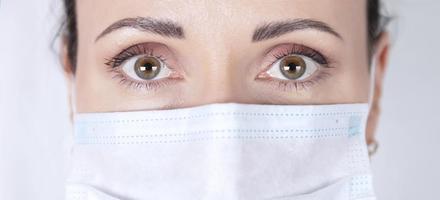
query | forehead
(224,16)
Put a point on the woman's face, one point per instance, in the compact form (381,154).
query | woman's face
(148,54)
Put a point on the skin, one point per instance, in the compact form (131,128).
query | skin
(218,62)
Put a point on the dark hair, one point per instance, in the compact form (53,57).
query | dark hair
(70,31)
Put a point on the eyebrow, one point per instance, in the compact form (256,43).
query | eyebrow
(275,29)
(165,28)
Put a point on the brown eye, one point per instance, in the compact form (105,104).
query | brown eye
(293,67)
(147,68)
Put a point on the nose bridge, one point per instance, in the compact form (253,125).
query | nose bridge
(217,70)
(217,74)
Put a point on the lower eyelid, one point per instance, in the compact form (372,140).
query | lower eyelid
(283,85)
(151,85)
(290,85)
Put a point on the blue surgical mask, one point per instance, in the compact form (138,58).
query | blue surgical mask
(223,151)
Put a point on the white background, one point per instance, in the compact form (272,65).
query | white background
(35,128)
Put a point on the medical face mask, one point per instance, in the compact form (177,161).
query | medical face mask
(223,151)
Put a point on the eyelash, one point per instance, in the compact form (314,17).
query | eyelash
(115,62)
(132,51)
(296,49)
(301,50)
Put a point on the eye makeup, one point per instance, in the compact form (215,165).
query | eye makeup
(296,49)
(155,50)
(279,52)
(132,51)
(271,57)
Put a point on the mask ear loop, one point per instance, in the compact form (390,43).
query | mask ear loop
(374,145)
(73,99)
(72,102)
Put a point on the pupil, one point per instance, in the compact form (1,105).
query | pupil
(293,68)
(147,66)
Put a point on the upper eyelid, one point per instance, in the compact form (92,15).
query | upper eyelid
(288,49)
(131,51)
(297,49)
